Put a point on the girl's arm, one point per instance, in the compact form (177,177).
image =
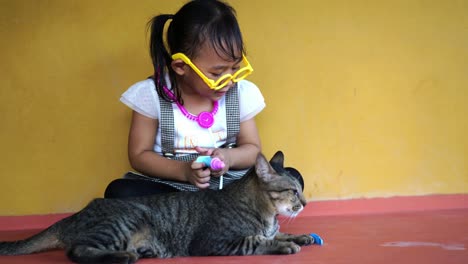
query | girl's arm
(143,158)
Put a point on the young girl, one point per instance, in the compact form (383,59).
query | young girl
(196,103)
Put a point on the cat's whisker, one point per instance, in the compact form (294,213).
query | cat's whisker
(291,217)
(287,219)
(283,220)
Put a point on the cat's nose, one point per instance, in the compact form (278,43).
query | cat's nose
(303,202)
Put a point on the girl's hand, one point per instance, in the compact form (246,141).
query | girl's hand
(216,153)
(199,175)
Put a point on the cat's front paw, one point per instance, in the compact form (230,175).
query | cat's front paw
(146,252)
(289,248)
(303,240)
(124,257)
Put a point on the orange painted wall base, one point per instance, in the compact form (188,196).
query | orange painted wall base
(387,205)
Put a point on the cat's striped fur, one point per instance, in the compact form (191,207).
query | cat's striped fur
(238,220)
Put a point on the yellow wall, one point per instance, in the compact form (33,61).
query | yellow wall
(366,98)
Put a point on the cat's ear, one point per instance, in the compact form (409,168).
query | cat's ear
(278,159)
(263,169)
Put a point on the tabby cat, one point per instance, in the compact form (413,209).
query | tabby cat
(238,220)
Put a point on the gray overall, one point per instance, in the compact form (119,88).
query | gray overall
(167,141)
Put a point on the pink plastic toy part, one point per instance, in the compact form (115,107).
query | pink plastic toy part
(217,164)
(213,163)
(205,119)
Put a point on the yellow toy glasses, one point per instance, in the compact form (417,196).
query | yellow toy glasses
(222,81)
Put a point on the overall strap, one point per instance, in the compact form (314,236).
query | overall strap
(167,122)
(167,127)
(232,115)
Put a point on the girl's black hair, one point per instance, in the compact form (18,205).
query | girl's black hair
(197,22)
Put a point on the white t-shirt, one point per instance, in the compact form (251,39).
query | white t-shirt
(143,98)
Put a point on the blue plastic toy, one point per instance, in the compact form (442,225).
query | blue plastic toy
(317,239)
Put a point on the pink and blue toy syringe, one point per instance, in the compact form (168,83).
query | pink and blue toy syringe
(215,164)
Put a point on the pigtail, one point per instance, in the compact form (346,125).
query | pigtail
(159,54)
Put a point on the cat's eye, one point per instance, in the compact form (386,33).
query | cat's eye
(296,193)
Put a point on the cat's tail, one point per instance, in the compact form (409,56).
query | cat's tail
(45,240)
